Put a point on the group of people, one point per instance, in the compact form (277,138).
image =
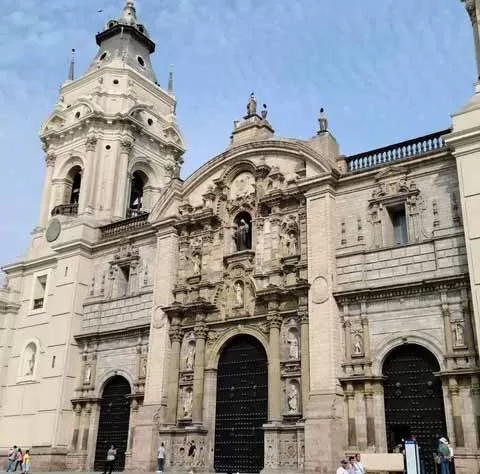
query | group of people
(352,465)
(17,459)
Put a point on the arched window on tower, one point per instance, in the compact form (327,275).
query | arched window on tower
(76,184)
(136,202)
(70,193)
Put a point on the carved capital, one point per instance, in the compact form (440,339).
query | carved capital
(274,321)
(303,315)
(126,145)
(176,334)
(50,158)
(91,142)
(200,331)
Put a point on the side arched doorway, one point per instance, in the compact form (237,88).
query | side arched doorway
(414,400)
(242,406)
(114,422)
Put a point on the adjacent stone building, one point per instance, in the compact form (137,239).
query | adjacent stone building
(282,306)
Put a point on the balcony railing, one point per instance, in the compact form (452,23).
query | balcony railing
(135,213)
(398,151)
(65,210)
(125,226)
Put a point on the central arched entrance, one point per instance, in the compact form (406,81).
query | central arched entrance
(242,406)
(114,423)
(414,400)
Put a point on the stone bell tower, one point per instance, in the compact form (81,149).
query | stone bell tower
(465,142)
(112,141)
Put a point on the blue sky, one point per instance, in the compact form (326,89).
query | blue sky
(385,70)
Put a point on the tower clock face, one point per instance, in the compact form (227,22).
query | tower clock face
(53,230)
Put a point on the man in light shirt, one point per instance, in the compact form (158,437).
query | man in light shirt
(357,465)
(161,458)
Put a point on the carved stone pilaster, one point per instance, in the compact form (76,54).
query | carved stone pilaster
(126,145)
(50,158)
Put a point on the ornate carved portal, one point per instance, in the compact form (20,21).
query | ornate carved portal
(414,400)
(242,405)
(114,422)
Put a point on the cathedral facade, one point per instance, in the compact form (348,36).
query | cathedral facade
(282,306)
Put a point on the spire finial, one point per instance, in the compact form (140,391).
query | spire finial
(322,121)
(71,70)
(129,14)
(170,79)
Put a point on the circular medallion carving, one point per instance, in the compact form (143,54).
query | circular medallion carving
(320,290)
(53,230)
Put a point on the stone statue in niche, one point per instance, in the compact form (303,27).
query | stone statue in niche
(190,357)
(30,359)
(291,243)
(187,403)
(241,236)
(292,399)
(197,263)
(293,349)
(459,333)
(239,294)
(88,374)
(358,344)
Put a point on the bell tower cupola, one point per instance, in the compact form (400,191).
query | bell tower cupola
(112,142)
(125,42)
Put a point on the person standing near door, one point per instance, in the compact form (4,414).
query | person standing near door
(111,455)
(444,453)
(161,458)
(191,456)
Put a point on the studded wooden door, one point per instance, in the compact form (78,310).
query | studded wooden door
(242,406)
(414,400)
(114,423)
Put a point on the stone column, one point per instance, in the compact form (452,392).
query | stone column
(86,427)
(174,367)
(87,188)
(131,435)
(447,328)
(305,358)
(347,334)
(45,210)
(467,318)
(352,425)
(76,426)
(274,381)
(454,392)
(199,370)
(370,414)
(475,394)
(126,147)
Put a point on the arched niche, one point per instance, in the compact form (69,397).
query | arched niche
(243,232)
(29,360)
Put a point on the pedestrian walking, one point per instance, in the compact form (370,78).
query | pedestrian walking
(26,462)
(161,458)
(191,456)
(12,458)
(19,460)
(111,455)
